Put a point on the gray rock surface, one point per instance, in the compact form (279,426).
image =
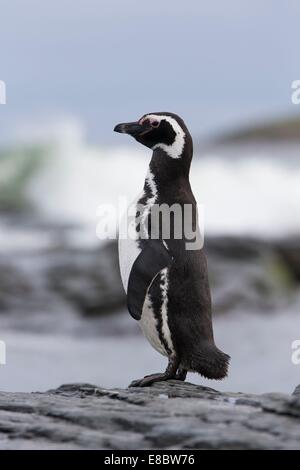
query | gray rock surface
(171,415)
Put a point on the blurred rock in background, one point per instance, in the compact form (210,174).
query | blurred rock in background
(246,273)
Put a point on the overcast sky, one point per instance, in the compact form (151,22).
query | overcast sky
(217,63)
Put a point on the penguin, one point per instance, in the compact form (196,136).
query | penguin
(166,283)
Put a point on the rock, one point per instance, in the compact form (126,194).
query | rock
(13,286)
(289,250)
(89,279)
(42,270)
(297,391)
(170,415)
(248,274)
(49,274)
(279,131)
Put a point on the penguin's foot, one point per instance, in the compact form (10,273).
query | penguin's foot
(181,374)
(170,373)
(149,380)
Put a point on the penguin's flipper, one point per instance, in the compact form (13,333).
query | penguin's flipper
(148,264)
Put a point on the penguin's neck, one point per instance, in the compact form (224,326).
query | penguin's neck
(165,171)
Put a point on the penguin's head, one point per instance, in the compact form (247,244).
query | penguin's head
(165,131)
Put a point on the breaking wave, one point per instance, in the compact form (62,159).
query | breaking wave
(252,193)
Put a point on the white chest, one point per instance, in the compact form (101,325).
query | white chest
(149,327)
(128,243)
(128,235)
(128,252)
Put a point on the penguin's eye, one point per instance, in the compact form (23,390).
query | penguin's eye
(155,123)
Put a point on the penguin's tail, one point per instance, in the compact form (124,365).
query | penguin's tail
(210,362)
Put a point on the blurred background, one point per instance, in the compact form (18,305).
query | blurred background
(75,69)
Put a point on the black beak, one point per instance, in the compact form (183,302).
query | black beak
(132,128)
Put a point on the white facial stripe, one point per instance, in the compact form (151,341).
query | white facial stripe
(150,117)
(174,150)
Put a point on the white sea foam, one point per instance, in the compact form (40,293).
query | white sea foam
(256,194)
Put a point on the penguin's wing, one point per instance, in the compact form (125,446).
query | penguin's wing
(153,258)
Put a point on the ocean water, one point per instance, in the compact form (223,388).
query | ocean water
(260,347)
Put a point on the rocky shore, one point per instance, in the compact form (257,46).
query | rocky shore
(171,415)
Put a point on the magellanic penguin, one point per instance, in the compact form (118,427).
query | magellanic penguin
(166,282)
